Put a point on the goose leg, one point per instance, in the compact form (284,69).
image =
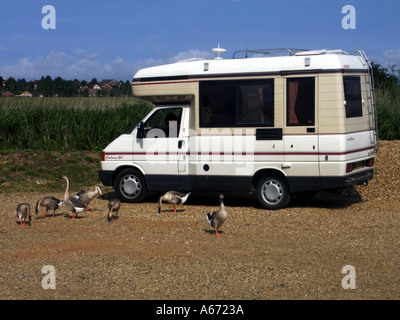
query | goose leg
(174,208)
(44,214)
(216,232)
(73,216)
(54,213)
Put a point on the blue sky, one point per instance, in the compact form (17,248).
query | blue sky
(113,39)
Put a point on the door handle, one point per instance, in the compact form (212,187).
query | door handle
(180,144)
(286,165)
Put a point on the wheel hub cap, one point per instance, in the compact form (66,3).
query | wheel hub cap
(130,185)
(272,191)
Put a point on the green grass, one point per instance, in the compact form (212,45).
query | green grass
(90,124)
(388,109)
(40,170)
(66,124)
(42,138)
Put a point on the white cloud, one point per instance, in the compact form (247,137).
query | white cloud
(392,57)
(388,58)
(85,66)
(192,54)
(82,54)
(55,64)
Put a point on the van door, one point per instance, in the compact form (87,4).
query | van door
(183,150)
(301,134)
(157,147)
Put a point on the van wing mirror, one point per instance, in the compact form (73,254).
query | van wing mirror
(140,130)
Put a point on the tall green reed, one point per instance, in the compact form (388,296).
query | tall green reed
(388,112)
(66,124)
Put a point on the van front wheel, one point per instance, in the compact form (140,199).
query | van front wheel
(130,186)
(273,193)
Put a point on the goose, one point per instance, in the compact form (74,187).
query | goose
(50,203)
(85,196)
(216,218)
(113,205)
(174,197)
(73,204)
(23,212)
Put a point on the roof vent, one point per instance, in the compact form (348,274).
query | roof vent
(218,51)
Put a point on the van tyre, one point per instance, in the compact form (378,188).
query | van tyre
(273,193)
(130,186)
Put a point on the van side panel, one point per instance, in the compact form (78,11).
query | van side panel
(312,154)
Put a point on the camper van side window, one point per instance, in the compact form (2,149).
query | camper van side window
(301,101)
(256,104)
(237,103)
(352,96)
(217,103)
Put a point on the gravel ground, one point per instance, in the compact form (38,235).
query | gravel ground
(294,253)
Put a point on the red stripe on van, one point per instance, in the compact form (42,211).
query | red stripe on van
(244,153)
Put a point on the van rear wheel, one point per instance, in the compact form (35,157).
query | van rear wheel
(130,186)
(273,193)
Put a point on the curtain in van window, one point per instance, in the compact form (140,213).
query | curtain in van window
(293,89)
(301,101)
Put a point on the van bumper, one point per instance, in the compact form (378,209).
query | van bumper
(360,178)
(302,184)
(106,177)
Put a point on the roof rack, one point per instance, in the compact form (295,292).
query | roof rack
(265,52)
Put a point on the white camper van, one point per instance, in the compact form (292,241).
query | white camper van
(276,124)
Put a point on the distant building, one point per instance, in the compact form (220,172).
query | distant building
(8,94)
(107,87)
(93,92)
(111,82)
(25,94)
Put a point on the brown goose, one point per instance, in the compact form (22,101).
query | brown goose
(50,203)
(174,197)
(216,218)
(23,212)
(85,196)
(73,204)
(113,205)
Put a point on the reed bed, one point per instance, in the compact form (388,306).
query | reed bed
(388,109)
(89,124)
(66,124)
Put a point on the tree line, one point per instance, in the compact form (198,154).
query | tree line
(385,78)
(59,87)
